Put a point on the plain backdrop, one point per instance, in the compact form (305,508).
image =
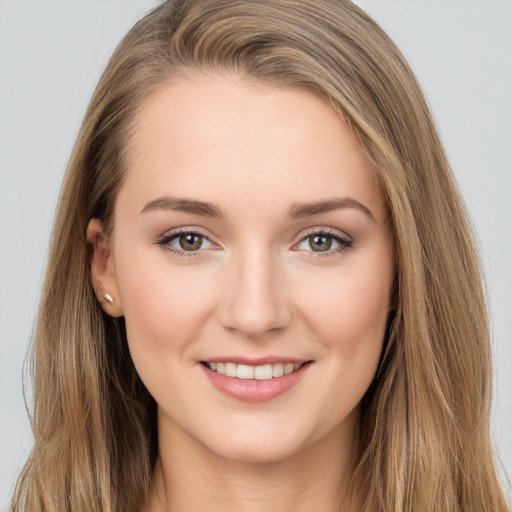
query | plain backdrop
(51,56)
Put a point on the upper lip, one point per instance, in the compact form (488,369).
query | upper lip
(256,361)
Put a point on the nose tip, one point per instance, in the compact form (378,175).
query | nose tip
(256,319)
(256,302)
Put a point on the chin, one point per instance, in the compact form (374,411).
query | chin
(260,446)
(256,453)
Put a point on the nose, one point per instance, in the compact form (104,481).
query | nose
(255,302)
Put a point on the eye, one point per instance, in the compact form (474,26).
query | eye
(190,242)
(185,241)
(324,242)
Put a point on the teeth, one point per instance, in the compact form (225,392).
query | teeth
(263,372)
(244,371)
(248,372)
(278,370)
(230,369)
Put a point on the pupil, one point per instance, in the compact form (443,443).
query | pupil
(190,242)
(320,243)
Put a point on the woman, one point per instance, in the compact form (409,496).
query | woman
(261,281)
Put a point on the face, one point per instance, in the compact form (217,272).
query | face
(253,260)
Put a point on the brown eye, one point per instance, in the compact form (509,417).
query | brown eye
(320,243)
(190,241)
(187,243)
(324,243)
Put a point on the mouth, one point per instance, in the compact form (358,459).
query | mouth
(250,372)
(254,383)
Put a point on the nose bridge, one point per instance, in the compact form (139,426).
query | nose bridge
(256,301)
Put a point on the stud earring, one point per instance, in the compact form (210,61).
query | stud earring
(108,298)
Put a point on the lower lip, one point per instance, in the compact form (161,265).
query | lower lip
(252,390)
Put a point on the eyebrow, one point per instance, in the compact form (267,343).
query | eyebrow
(203,208)
(302,210)
(297,211)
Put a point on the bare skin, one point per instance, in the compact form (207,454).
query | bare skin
(249,232)
(318,483)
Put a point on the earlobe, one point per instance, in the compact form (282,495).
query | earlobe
(102,270)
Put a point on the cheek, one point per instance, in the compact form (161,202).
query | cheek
(164,306)
(350,309)
(348,314)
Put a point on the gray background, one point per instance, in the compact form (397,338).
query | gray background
(51,55)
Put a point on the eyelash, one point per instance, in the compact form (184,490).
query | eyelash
(165,243)
(344,242)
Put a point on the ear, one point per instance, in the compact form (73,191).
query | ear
(102,270)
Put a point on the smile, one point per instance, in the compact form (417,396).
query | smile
(254,383)
(248,372)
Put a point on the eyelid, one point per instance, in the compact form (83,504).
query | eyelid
(334,232)
(183,230)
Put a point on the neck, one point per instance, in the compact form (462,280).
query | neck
(188,476)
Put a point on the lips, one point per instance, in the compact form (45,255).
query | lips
(254,382)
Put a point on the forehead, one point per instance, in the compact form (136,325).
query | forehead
(224,139)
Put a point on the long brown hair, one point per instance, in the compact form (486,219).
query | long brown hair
(425,419)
